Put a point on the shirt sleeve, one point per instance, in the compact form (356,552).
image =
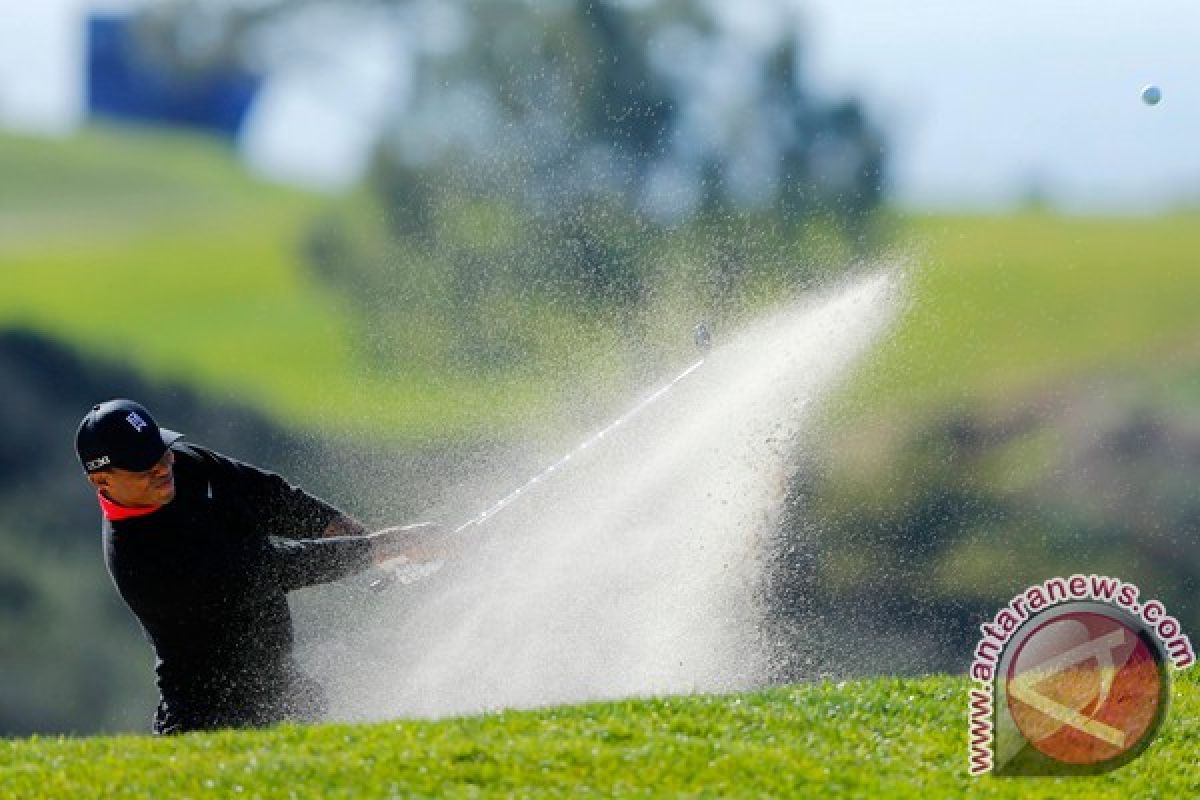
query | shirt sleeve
(290,522)
(283,510)
(307,562)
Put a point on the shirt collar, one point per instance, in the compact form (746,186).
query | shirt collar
(115,511)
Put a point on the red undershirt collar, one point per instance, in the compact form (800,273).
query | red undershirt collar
(115,511)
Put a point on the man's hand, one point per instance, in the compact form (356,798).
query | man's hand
(416,543)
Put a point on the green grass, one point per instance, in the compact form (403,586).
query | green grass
(1001,305)
(157,250)
(886,737)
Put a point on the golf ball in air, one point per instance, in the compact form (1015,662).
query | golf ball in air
(1151,94)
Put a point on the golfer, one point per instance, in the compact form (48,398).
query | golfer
(204,549)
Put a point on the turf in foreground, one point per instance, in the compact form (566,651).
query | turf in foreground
(880,738)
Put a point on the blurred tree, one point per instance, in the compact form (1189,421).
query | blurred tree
(922,536)
(594,129)
(671,105)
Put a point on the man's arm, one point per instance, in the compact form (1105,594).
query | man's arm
(307,562)
(272,505)
(417,543)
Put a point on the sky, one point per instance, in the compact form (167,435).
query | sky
(39,64)
(985,100)
(984,104)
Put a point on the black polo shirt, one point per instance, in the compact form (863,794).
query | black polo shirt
(207,575)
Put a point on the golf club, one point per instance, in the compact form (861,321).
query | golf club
(703,341)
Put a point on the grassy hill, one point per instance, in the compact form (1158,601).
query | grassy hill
(878,738)
(1000,304)
(158,249)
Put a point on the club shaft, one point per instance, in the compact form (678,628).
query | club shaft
(587,443)
(591,441)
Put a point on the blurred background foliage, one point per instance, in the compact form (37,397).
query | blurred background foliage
(559,168)
(562,194)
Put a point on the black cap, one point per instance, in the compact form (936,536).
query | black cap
(122,434)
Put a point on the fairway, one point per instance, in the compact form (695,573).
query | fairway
(887,737)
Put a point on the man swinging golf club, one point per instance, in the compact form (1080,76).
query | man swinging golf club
(204,549)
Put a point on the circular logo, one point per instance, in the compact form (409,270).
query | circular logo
(1088,687)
